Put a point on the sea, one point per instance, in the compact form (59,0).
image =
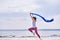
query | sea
(24,34)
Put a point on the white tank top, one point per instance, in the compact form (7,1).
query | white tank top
(34,24)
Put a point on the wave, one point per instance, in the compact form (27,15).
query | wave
(17,36)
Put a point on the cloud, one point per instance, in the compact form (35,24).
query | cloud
(45,7)
(14,23)
(17,9)
(53,25)
(21,23)
(10,15)
(53,1)
(48,7)
(17,6)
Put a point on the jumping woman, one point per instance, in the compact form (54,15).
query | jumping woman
(34,26)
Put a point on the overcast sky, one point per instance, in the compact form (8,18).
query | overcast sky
(14,14)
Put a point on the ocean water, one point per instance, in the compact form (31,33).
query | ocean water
(26,35)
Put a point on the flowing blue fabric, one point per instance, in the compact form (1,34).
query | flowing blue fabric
(43,18)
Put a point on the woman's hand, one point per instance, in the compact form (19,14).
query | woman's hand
(31,14)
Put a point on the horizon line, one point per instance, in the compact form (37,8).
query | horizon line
(27,29)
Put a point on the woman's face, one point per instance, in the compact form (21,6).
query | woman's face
(33,20)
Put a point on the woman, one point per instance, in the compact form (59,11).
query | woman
(33,25)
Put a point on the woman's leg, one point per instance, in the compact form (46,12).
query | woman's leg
(36,32)
(30,29)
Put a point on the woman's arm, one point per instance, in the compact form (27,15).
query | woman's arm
(31,15)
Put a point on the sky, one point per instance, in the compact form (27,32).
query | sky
(14,14)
